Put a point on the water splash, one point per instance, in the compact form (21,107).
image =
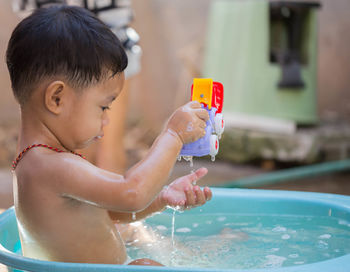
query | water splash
(195,181)
(173,252)
(190,159)
(173,229)
(133,216)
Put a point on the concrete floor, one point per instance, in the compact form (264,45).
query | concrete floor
(222,172)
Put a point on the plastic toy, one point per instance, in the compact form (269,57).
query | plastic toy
(211,95)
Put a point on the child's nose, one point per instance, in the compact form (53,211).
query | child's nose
(105,120)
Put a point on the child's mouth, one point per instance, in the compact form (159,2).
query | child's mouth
(99,137)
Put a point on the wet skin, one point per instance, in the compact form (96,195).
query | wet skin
(65,206)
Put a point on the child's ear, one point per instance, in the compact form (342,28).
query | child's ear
(54,96)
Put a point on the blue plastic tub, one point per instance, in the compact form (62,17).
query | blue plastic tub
(224,201)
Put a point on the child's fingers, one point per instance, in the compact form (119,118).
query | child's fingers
(181,203)
(202,124)
(202,114)
(208,193)
(194,104)
(200,197)
(199,173)
(190,197)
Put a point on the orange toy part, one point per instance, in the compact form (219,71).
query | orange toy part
(202,91)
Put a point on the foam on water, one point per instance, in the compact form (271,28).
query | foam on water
(285,236)
(161,227)
(274,261)
(183,230)
(221,218)
(244,241)
(325,236)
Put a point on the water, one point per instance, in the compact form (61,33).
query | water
(190,159)
(173,230)
(244,241)
(195,181)
(173,252)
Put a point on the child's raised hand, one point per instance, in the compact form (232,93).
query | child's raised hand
(182,193)
(189,122)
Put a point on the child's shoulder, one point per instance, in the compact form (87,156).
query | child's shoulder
(70,176)
(40,164)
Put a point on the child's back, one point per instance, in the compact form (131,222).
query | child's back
(66,69)
(55,226)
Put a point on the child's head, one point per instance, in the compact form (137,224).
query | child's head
(62,41)
(66,67)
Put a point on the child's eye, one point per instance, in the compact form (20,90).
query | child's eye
(105,108)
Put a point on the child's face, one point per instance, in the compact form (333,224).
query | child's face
(87,114)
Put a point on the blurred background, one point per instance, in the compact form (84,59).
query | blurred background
(285,68)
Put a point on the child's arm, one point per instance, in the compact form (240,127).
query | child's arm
(78,179)
(181,193)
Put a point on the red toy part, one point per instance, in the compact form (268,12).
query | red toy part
(218,96)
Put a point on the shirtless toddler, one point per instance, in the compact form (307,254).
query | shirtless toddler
(66,68)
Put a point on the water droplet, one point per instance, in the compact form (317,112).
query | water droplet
(195,181)
(212,158)
(190,159)
(133,216)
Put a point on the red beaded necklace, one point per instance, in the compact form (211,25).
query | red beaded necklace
(20,156)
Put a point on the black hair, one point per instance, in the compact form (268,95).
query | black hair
(66,41)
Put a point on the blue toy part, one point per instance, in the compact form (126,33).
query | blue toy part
(202,146)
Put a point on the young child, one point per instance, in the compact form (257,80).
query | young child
(66,68)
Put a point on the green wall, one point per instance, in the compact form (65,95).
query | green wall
(237,54)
